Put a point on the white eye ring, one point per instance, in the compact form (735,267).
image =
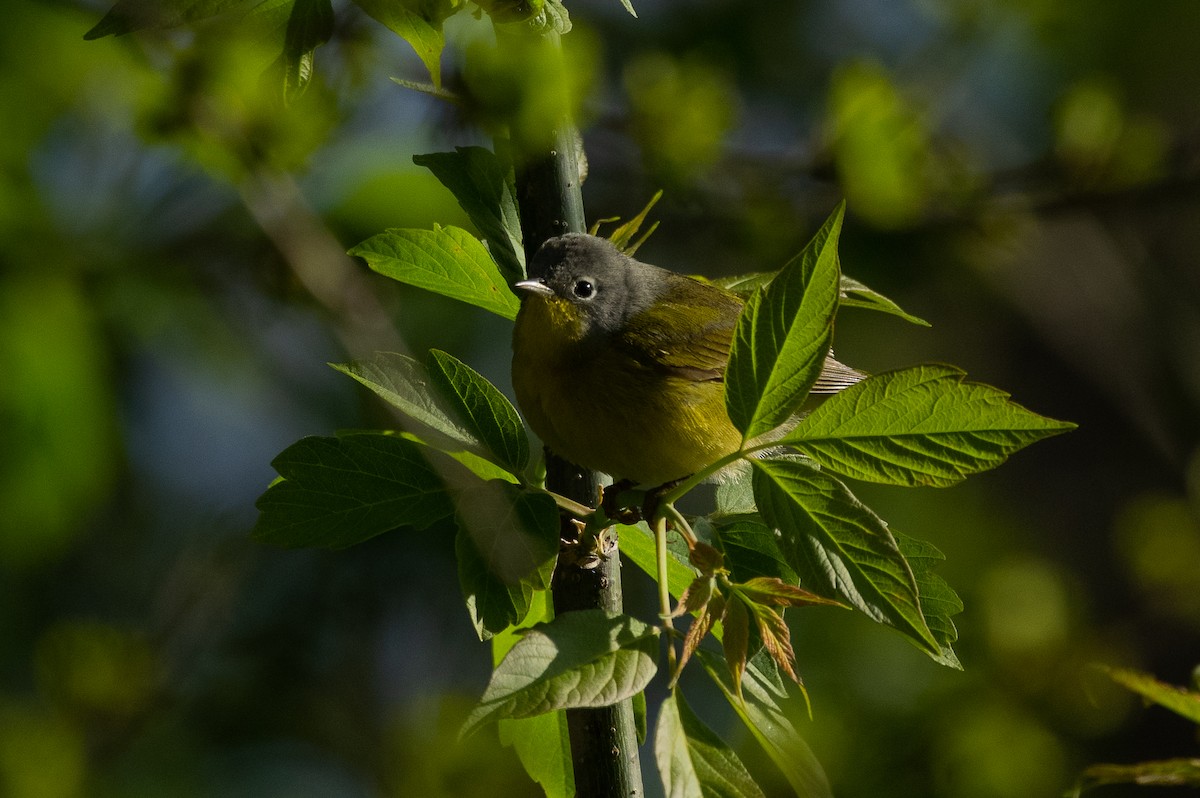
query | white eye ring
(584,289)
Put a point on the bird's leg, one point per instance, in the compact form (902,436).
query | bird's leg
(611,505)
(652,503)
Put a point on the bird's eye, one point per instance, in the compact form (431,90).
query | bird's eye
(584,289)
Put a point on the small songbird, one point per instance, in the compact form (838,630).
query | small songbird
(619,366)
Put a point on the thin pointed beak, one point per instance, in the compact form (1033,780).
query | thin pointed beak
(534,287)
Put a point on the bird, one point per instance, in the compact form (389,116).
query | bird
(619,366)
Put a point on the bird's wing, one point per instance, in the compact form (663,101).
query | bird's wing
(692,340)
(686,340)
(836,376)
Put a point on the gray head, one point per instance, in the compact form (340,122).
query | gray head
(606,285)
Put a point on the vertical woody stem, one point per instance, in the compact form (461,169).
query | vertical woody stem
(604,749)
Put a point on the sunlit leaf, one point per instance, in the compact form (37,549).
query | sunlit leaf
(693,762)
(405,384)
(1177,699)
(918,426)
(939,602)
(637,544)
(335,492)
(774,592)
(418,23)
(783,335)
(622,236)
(588,658)
(489,416)
(856,295)
(839,547)
(758,707)
(506,547)
(446,260)
(1162,773)
(483,186)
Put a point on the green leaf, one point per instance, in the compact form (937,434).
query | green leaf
(918,426)
(405,384)
(541,742)
(629,7)
(735,495)
(753,549)
(639,716)
(127,16)
(589,658)
(335,492)
(839,547)
(483,186)
(856,295)
(309,26)
(506,546)
(637,545)
(1163,773)
(759,709)
(693,762)
(446,260)
(489,416)
(542,745)
(1185,703)
(939,602)
(418,22)
(783,335)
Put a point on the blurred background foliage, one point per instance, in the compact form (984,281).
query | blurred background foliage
(1025,175)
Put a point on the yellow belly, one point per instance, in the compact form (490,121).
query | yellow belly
(611,414)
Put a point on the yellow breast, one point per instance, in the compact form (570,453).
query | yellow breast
(605,411)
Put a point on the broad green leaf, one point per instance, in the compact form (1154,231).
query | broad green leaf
(918,426)
(418,22)
(637,544)
(506,546)
(839,547)
(335,492)
(1162,773)
(1180,701)
(783,335)
(856,295)
(446,260)
(489,416)
(939,602)
(752,549)
(735,494)
(694,762)
(405,384)
(759,709)
(542,745)
(483,186)
(541,742)
(127,16)
(589,658)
